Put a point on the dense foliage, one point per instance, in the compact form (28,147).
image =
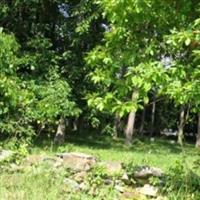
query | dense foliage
(99,64)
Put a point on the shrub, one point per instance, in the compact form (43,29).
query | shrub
(33,94)
(182,183)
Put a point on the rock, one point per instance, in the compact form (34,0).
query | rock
(42,159)
(58,163)
(77,161)
(76,155)
(146,172)
(80,176)
(16,168)
(148,190)
(141,181)
(108,182)
(119,188)
(93,191)
(71,184)
(112,167)
(161,198)
(84,186)
(118,182)
(132,195)
(53,161)
(33,160)
(125,178)
(5,154)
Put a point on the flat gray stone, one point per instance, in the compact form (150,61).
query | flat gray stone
(77,161)
(119,188)
(71,184)
(146,172)
(76,154)
(111,167)
(148,190)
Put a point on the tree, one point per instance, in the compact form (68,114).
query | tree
(182,83)
(134,41)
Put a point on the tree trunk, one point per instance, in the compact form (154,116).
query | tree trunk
(131,121)
(153,116)
(141,130)
(60,134)
(130,127)
(75,125)
(116,126)
(181,126)
(198,132)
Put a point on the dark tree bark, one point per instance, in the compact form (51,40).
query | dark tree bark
(141,129)
(60,134)
(131,121)
(181,125)
(117,126)
(153,116)
(198,132)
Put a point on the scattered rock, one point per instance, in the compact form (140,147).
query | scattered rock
(118,182)
(119,188)
(84,186)
(146,172)
(77,161)
(71,184)
(112,167)
(148,190)
(108,181)
(80,163)
(75,154)
(132,195)
(16,168)
(33,160)
(80,176)
(5,154)
(93,191)
(161,198)
(53,161)
(141,181)
(58,163)
(125,178)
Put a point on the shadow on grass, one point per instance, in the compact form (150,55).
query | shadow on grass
(139,144)
(143,145)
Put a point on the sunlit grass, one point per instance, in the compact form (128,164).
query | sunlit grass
(159,153)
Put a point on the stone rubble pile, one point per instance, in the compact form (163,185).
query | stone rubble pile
(80,165)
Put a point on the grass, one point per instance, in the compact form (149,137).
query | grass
(43,183)
(160,153)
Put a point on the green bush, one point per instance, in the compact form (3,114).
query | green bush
(33,94)
(182,183)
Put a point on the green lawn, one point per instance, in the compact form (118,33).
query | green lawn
(160,153)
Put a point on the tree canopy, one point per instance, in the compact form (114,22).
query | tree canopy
(99,64)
